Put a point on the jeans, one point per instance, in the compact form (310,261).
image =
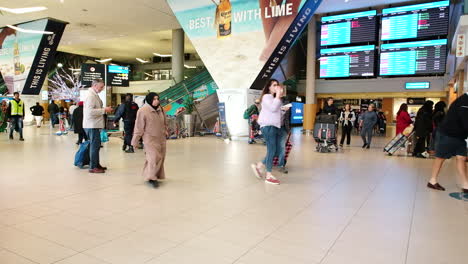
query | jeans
(128,129)
(94,135)
(16,124)
(271,135)
(53,119)
(366,134)
(281,147)
(346,134)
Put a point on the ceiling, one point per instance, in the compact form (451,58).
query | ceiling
(124,30)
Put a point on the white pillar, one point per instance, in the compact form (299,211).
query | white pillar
(311,61)
(310,108)
(178,54)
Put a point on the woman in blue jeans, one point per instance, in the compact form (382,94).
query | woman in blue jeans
(270,123)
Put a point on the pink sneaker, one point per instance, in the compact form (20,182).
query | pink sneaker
(257,171)
(272,181)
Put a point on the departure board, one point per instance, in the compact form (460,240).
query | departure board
(415,21)
(413,58)
(347,62)
(351,28)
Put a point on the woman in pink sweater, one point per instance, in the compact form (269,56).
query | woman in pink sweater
(270,123)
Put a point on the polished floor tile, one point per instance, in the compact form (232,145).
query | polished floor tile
(355,206)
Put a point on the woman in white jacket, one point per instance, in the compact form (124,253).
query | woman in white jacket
(347,119)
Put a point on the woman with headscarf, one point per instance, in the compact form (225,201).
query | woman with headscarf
(423,128)
(151,125)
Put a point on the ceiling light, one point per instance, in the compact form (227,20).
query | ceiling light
(30,30)
(104,60)
(60,65)
(189,67)
(23,10)
(162,55)
(142,60)
(71,69)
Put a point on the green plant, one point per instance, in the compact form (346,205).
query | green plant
(189,105)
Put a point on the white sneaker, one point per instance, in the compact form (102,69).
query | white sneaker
(257,171)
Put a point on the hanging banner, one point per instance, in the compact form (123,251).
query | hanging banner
(239,40)
(26,54)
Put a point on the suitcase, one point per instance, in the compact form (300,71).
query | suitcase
(397,143)
(82,155)
(324,131)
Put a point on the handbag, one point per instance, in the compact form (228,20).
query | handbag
(407,131)
(104,136)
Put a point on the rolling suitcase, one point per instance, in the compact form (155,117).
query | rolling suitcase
(82,155)
(397,143)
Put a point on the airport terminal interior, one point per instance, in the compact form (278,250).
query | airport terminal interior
(221,131)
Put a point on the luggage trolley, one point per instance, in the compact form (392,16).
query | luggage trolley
(325,131)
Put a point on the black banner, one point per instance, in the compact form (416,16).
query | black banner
(294,31)
(90,72)
(44,57)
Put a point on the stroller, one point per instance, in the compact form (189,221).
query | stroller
(255,133)
(325,131)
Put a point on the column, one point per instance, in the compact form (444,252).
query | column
(178,54)
(310,108)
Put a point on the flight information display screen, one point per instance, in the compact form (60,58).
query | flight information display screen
(355,61)
(350,28)
(415,21)
(412,58)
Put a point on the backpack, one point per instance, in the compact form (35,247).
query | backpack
(248,112)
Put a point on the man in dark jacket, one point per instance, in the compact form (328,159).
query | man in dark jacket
(53,110)
(451,134)
(330,108)
(128,112)
(15,113)
(37,111)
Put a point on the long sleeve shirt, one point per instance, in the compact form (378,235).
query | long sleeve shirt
(270,115)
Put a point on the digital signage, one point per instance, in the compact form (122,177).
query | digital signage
(90,72)
(415,21)
(353,28)
(413,58)
(118,75)
(345,62)
(297,113)
(26,53)
(417,85)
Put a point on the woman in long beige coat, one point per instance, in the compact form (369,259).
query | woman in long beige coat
(152,127)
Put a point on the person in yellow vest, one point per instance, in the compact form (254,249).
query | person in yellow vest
(15,114)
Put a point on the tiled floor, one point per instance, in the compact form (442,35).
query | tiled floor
(354,207)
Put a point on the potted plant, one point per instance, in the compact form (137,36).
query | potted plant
(189,117)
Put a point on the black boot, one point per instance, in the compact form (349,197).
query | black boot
(130,150)
(154,183)
(124,147)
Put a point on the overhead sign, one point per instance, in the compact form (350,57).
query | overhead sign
(417,85)
(118,75)
(461,45)
(25,57)
(415,101)
(239,40)
(90,72)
